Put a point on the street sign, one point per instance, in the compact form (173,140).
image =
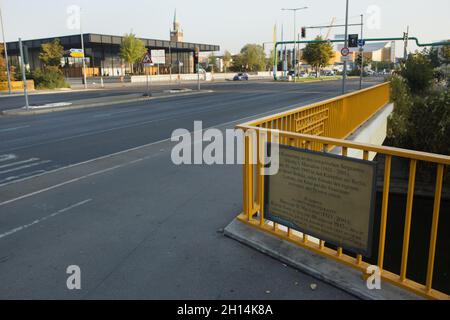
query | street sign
(147,60)
(76,53)
(346,58)
(345,51)
(339,209)
(361,43)
(353,40)
(158,56)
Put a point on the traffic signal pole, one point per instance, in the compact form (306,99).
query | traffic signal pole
(362,54)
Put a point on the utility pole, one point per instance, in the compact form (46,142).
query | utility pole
(6,53)
(197,56)
(406,37)
(84,54)
(24,77)
(344,76)
(294,10)
(362,53)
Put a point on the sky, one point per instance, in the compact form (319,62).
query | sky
(230,24)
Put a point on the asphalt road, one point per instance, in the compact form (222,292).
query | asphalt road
(138,226)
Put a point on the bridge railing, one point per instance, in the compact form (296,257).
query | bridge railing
(323,126)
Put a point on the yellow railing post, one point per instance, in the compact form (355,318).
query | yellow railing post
(409,208)
(384,210)
(434,226)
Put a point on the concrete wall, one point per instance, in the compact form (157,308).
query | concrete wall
(374,131)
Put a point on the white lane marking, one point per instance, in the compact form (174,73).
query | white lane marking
(74,180)
(25,167)
(184,115)
(26,226)
(114,113)
(13,129)
(23,175)
(12,164)
(134,149)
(7,157)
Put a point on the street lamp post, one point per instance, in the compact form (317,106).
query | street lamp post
(6,53)
(344,76)
(24,77)
(362,54)
(84,54)
(294,10)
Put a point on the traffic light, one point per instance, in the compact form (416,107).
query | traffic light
(303,33)
(353,41)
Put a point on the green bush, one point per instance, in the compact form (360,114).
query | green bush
(49,78)
(418,73)
(419,122)
(397,124)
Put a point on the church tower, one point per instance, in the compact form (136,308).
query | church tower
(177,34)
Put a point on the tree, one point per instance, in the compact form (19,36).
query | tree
(238,64)
(3,76)
(253,58)
(318,55)
(132,50)
(212,62)
(51,53)
(227,58)
(418,72)
(271,59)
(51,76)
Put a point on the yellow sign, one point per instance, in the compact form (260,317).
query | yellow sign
(76,53)
(325,196)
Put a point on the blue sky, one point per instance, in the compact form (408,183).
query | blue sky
(230,24)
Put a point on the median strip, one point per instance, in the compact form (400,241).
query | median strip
(97,102)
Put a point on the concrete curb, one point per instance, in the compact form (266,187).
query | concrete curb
(22,112)
(317,266)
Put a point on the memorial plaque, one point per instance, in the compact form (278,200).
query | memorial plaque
(325,196)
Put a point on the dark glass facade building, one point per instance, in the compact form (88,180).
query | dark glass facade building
(102,55)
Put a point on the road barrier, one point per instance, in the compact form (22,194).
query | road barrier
(322,127)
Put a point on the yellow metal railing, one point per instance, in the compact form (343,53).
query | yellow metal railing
(336,119)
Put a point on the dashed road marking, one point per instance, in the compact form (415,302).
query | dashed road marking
(26,226)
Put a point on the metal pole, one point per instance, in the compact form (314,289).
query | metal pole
(344,76)
(24,77)
(101,74)
(405,55)
(198,76)
(170,62)
(6,54)
(295,39)
(84,54)
(179,73)
(362,53)
(148,90)
(295,45)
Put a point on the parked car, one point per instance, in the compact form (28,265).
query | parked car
(304,74)
(329,73)
(241,77)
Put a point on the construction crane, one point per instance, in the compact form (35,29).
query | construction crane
(333,21)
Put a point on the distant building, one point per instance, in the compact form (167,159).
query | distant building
(375,51)
(176,35)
